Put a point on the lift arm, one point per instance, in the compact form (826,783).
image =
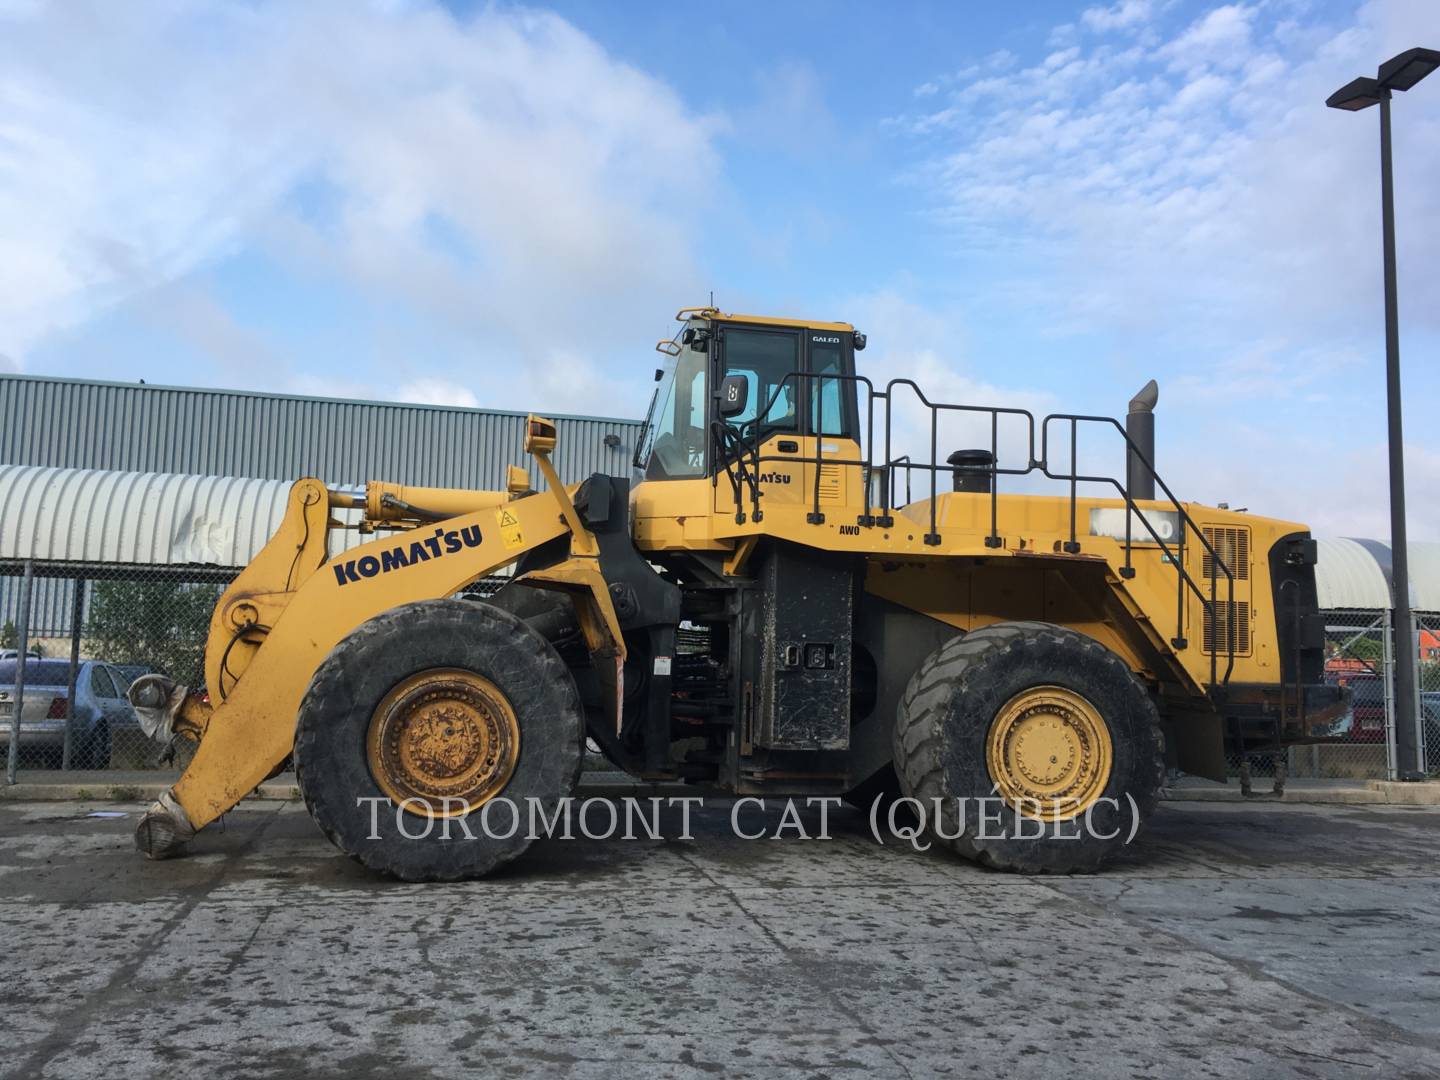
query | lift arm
(292,606)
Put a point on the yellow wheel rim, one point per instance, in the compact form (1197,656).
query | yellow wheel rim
(443,742)
(1049,753)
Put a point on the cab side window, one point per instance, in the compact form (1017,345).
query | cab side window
(829,397)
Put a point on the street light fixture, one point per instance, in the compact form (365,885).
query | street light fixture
(1398,73)
(1357,95)
(1404,71)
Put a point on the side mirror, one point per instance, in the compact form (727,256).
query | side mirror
(734,395)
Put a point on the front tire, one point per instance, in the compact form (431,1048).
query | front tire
(97,748)
(440,707)
(1043,720)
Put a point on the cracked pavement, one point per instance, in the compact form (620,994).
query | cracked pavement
(1232,939)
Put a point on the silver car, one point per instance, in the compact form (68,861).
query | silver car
(100,708)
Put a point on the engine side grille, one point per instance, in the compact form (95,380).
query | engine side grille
(1240,632)
(1232,544)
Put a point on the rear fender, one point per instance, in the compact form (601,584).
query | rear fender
(581,578)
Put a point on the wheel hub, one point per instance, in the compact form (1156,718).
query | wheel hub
(443,734)
(1049,753)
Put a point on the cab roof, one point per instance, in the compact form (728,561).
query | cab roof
(716,315)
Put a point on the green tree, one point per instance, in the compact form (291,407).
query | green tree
(10,639)
(1369,649)
(1430,675)
(162,624)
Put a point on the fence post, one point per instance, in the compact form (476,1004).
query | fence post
(77,610)
(1416,625)
(1388,655)
(13,759)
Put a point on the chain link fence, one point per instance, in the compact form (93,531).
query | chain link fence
(84,637)
(1360,745)
(89,632)
(1427,635)
(86,634)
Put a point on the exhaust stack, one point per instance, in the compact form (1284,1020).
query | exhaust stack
(1140,426)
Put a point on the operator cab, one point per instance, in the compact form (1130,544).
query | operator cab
(732,383)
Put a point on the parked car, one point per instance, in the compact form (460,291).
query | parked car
(1365,722)
(1430,719)
(125,674)
(100,707)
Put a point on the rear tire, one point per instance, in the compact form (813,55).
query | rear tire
(883,789)
(97,748)
(967,694)
(335,761)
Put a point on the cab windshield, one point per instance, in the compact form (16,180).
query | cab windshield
(674,445)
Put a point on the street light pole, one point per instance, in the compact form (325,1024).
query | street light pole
(1398,73)
(1407,745)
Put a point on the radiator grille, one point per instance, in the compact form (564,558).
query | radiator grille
(829,483)
(1232,544)
(1220,612)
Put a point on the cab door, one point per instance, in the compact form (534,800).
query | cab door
(832,420)
(769,360)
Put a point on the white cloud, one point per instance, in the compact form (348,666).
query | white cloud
(1210,185)
(1334,482)
(432,390)
(1338,487)
(1120,16)
(193,315)
(567,381)
(1196,201)
(928,347)
(498,174)
(1220,37)
(790,97)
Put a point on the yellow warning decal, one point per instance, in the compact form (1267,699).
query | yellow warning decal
(510,528)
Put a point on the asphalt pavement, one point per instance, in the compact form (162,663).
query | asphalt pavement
(1231,940)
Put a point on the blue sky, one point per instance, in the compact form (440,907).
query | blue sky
(1037,204)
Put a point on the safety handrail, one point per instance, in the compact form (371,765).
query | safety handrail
(1131,510)
(746,457)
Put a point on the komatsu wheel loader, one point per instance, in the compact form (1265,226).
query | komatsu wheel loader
(761,609)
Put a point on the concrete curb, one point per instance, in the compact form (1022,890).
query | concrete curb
(96,787)
(122,791)
(1371,793)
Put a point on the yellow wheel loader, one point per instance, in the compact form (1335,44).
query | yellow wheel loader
(764,608)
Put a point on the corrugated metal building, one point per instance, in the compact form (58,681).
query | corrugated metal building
(133,427)
(158,475)
(1356,575)
(96,518)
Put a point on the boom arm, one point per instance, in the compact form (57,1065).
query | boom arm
(292,606)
